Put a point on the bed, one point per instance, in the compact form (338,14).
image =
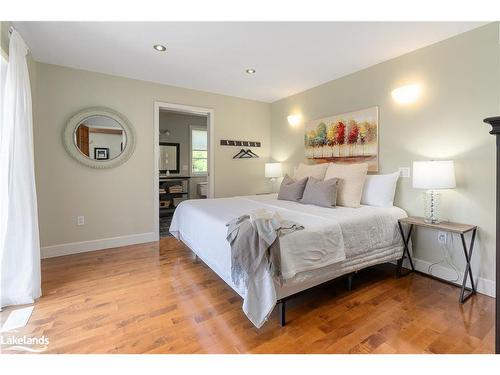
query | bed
(366,235)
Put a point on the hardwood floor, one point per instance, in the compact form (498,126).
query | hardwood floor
(154,298)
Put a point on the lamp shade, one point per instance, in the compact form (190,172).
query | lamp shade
(434,174)
(273,170)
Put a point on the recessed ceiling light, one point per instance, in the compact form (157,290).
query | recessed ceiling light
(160,48)
(250,71)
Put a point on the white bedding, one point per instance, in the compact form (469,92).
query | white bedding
(331,235)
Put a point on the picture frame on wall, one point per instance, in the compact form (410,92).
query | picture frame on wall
(349,138)
(101,153)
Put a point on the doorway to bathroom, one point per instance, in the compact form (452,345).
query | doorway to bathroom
(183,159)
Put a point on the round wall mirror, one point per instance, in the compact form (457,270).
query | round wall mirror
(99,138)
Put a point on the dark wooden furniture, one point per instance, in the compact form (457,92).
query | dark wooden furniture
(167,196)
(106,131)
(460,229)
(82,139)
(495,125)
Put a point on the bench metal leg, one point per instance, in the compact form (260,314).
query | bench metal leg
(349,282)
(406,252)
(399,266)
(282,306)
(468,271)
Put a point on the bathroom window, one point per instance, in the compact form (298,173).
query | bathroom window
(199,151)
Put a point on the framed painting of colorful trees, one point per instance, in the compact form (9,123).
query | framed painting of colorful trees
(346,138)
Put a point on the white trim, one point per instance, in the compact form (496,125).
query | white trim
(93,245)
(195,127)
(483,286)
(209,112)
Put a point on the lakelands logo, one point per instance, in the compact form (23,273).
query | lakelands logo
(30,344)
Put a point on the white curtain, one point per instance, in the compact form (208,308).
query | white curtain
(19,240)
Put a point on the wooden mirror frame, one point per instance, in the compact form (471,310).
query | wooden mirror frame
(76,120)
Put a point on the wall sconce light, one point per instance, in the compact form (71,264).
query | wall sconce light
(165,132)
(406,94)
(294,120)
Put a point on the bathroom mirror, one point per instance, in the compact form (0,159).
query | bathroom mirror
(99,138)
(169,157)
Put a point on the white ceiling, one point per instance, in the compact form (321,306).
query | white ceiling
(289,56)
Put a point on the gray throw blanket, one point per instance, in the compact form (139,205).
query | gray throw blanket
(255,239)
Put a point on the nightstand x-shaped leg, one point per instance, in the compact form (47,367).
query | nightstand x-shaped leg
(406,251)
(468,271)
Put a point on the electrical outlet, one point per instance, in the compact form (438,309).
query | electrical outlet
(404,172)
(442,237)
(80,220)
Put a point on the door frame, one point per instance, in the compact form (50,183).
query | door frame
(187,109)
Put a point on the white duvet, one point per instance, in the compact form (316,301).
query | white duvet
(330,236)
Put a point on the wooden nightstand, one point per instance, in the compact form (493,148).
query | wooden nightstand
(447,226)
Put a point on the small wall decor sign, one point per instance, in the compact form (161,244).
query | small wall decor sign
(224,142)
(350,137)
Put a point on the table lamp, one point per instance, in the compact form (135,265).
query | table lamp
(433,175)
(273,171)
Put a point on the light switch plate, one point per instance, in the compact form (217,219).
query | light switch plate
(185,167)
(404,172)
(80,220)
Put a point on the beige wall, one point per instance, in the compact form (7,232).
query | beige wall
(4,38)
(119,201)
(460,77)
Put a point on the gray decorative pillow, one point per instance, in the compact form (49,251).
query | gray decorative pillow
(291,190)
(320,193)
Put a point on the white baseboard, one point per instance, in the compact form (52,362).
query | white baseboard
(483,286)
(104,243)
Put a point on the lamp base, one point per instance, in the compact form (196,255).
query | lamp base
(273,180)
(432,200)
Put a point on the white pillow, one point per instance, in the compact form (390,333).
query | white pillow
(316,170)
(379,190)
(352,179)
